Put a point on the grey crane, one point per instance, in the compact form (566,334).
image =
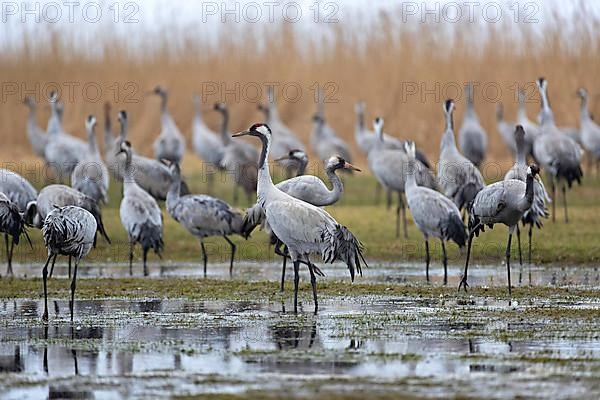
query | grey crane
(90,175)
(325,143)
(434,214)
(207,144)
(308,188)
(23,195)
(302,227)
(63,151)
(506,129)
(471,136)
(12,223)
(532,130)
(170,144)
(204,216)
(284,139)
(140,215)
(239,158)
(558,154)
(590,131)
(70,231)
(62,196)
(537,211)
(390,168)
(503,202)
(151,175)
(36,135)
(458,178)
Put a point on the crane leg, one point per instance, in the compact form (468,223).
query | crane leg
(520,256)
(130,258)
(445,261)
(427,259)
(553,186)
(313,283)
(463,281)
(204,256)
(10,255)
(389,198)
(73,285)
(285,257)
(45,277)
(508,262)
(403,205)
(233,248)
(70,267)
(564,192)
(52,268)
(144,259)
(9,267)
(398,221)
(530,234)
(296,281)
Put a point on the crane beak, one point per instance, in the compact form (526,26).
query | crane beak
(242,133)
(351,167)
(283,158)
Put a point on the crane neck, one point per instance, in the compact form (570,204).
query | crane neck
(546,114)
(123,132)
(108,135)
(411,181)
(173,194)
(225,126)
(302,168)
(585,113)
(448,140)
(93,148)
(338,187)
(360,121)
(264,175)
(198,108)
(527,199)
(129,173)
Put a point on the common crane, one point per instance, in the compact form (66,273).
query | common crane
(458,178)
(558,154)
(36,135)
(324,144)
(537,211)
(590,131)
(207,144)
(90,176)
(390,168)
(503,202)
(471,136)
(140,215)
(204,216)
(12,223)
(506,129)
(434,214)
(302,227)
(239,158)
(69,231)
(170,144)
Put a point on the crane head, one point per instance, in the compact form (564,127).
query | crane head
(337,162)
(449,106)
(582,93)
(90,122)
(257,130)
(533,170)
(410,148)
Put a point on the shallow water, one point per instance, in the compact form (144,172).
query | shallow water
(482,347)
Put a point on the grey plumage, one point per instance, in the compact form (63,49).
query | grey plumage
(140,215)
(506,129)
(302,227)
(12,224)
(36,135)
(203,216)
(434,214)
(503,202)
(170,144)
(63,151)
(390,167)
(590,130)
(69,231)
(558,154)
(151,175)
(458,178)
(61,196)
(207,143)
(90,176)
(239,158)
(325,142)
(538,210)
(471,136)
(532,130)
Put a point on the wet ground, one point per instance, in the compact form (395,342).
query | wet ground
(472,346)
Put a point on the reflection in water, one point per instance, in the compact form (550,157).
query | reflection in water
(293,336)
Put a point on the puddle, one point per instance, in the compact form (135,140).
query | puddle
(160,348)
(479,275)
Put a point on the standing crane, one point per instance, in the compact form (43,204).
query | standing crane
(302,227)
(472,137)
(503,202)
(170,144)
(36,135)
(207,144)
(434,214)
(68,231)
(590,131)
(12,223)
(557,153)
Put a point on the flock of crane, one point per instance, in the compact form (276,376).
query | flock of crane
(290,211)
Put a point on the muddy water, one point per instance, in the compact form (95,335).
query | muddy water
(482,347)
(479,275)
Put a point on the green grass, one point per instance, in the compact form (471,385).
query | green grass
(573,243)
